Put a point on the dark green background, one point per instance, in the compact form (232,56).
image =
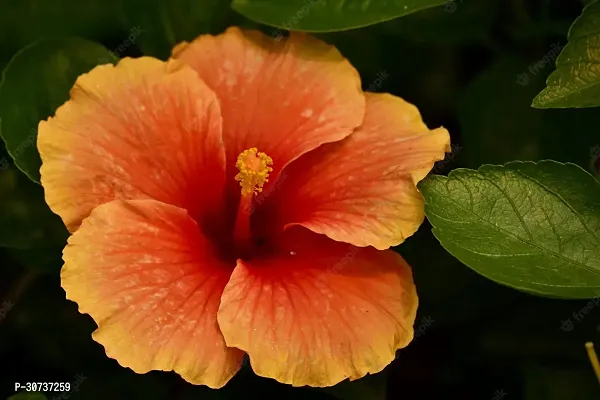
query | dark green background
(460,64)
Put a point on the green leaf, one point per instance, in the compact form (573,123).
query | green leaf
(328,15)
(576,81)
(531,226)
(28,396)
(34,84)
(166,23)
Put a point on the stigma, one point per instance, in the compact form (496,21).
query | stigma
(254,168)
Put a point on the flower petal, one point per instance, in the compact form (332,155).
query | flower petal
(152,283)
(361,190)
(142,129)
(316,311)
(284,97)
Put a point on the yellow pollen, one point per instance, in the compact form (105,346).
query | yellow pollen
(254,170)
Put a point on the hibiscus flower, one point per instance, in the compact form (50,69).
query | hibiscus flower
(184,261)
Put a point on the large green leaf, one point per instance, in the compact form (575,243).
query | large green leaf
(576,81)
(34,84)
(165,23)
(328,15)
(531,226)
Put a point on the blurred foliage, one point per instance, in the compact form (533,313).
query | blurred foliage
(456,22)
(509,129)
(330,15)
(26,219)
(471,66)
(35,83)
(24,22)
(162,24)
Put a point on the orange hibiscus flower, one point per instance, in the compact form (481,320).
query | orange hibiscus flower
(182,259)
